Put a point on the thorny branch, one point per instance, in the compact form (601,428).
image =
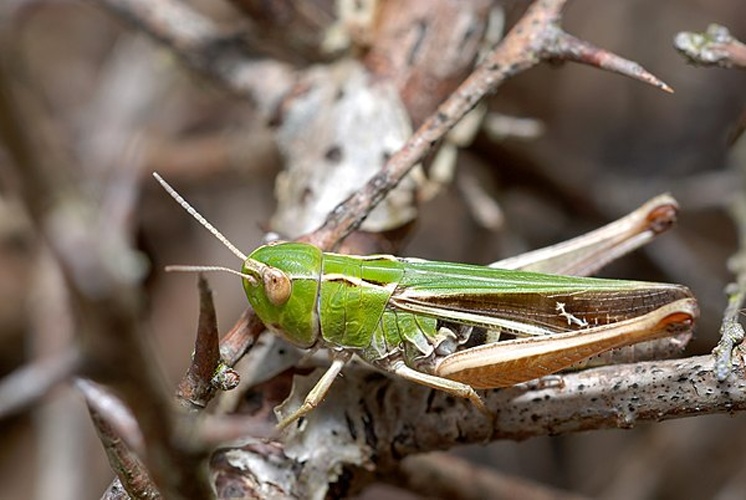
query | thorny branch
(535,38)
(206,373)
(376,414)
(195,387)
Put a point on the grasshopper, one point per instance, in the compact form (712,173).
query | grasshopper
(449,326)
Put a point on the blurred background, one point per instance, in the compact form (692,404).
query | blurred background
(601,144)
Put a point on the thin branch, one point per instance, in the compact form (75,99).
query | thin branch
(109,408)
(31,382)
(58,421)
(240,338)
(119,434)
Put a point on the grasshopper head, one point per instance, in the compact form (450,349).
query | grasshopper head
(281,285)
(281,280)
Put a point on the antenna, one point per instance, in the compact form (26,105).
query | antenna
(193,212)
(209,269)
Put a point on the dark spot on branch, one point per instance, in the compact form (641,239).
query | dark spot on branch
(341,487)
(334,154)
(421,28)
(373,377)
(468,34)
(370,434)
(351,426)
(402,439)
(253,401)
(381,394)
(430,398)
(461,437)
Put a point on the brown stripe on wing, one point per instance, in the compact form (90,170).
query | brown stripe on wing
(558,312)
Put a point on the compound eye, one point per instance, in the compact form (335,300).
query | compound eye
(277,286)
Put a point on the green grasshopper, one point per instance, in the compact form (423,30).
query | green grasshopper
(448,326)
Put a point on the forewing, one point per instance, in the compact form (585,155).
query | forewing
(524,303)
